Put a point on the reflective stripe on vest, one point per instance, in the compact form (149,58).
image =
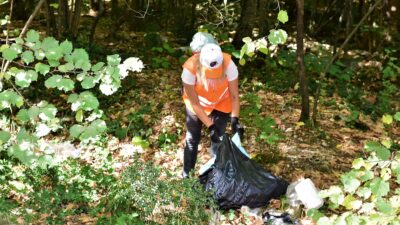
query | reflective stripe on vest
(205,103)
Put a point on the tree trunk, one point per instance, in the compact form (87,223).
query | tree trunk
(51,20)
(62,17)
(114,10)
(246,22)
(349,16)
(100,12)
(76,16)
(305,104)
(22,9)
(262,17)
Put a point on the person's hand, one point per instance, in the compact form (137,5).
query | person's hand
(214,133)
(236,127)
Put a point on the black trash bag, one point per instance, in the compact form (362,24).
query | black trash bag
(236,180)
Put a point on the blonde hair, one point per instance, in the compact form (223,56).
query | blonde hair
(206,82)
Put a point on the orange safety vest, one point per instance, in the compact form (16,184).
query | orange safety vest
(218,96)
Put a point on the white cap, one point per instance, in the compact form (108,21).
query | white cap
(211,56)
(200,39)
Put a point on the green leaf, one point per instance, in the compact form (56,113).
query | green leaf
(368,175)
(26,156)
(27,57)
(77,55)
(283,16)
(384,206)
(32,36)
(66,47)
(83,64)
(352,220)
(351,203)
(358,163)
(66,67)
(89,132)
(350,182)
(39,54)
(79,115)
(42,68)
(243,50)
(81,76)
(113,60)
(364,192)
(24,78)
(382,152)
(397,116)
(97,66)
(66,84)
(88,83)
(21,79)
(386,143)
(242,62)
(23,115)
(73,98)
(53,81)
(314,214)
(54,63)
(10,54)
(45,161)
(47,112)
(276,37)
(379,187)
(54,55)
(100,125)
(246,40)
(49,44)
(4,137)
(387,119)
(76,130)
(263,50)
(33,112)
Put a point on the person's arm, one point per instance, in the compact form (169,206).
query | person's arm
(234,92)
(194,101)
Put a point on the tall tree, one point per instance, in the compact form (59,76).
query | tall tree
(305,104)
(246,22)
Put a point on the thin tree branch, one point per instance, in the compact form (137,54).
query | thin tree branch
(28,23)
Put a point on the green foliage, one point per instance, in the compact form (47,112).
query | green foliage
(267,125)
(152,195)
(368,193)
(283,16)
(161,59)
(67,66)
(251,47)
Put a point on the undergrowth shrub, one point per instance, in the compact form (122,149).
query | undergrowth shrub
(151,194)
(369,193)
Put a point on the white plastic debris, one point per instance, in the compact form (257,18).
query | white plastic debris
(304,192)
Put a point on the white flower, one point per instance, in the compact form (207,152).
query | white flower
(133,64)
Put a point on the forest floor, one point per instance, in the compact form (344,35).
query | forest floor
(322,153)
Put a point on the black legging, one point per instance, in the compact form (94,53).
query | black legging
(193,135)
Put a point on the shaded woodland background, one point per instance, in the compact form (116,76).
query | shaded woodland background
(344,53)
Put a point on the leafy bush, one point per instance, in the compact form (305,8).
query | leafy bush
(369,193)
(60,68)
(147,193)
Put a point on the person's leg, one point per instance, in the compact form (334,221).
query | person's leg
(193,135)
(220,120)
